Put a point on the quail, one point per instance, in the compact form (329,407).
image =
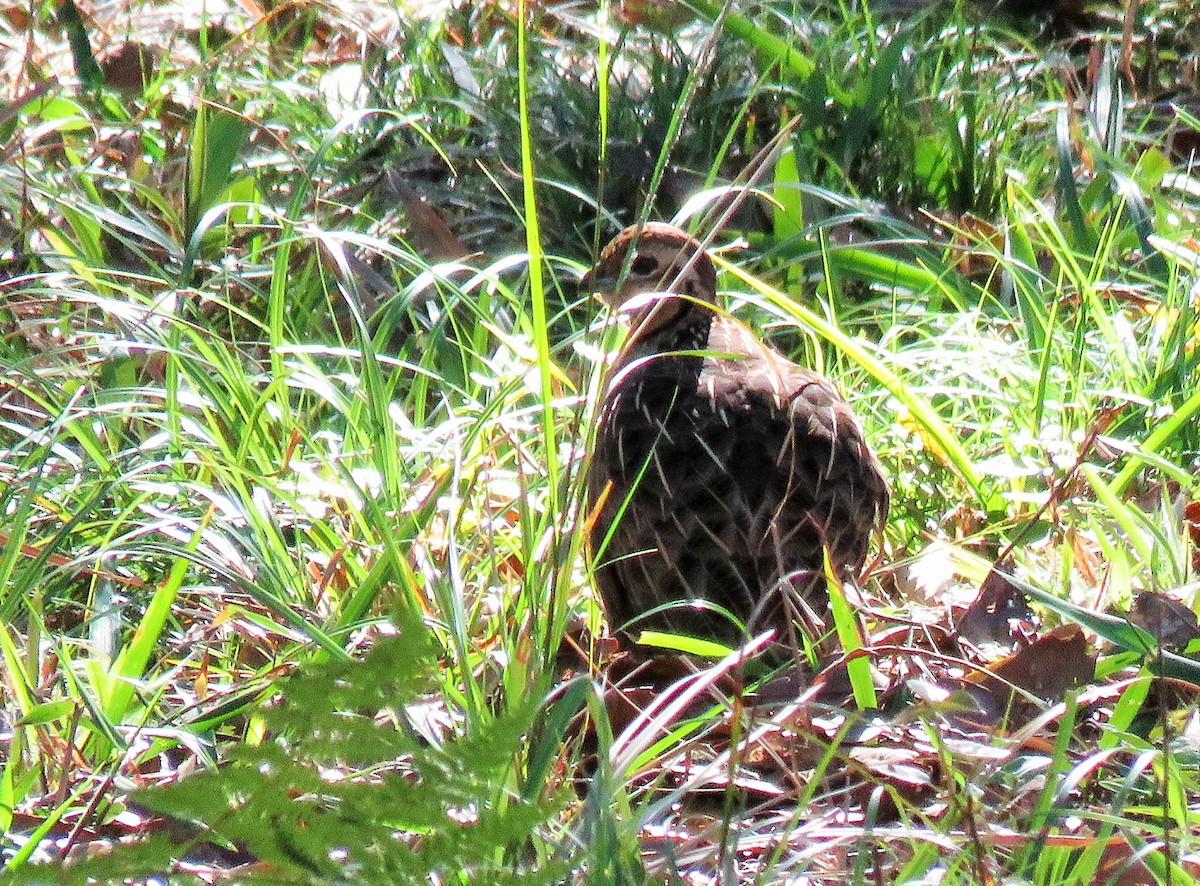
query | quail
(721,471)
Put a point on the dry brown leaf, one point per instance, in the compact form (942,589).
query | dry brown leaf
(1086,556)
(664,16)
(1046,669)
(128,68)
(997,611)
(976,247)
(1191,513)
(1171,623)
(427,227)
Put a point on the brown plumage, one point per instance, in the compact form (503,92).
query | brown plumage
(723,469)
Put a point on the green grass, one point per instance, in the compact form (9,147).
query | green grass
(256,441)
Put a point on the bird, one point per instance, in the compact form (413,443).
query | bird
(721,472)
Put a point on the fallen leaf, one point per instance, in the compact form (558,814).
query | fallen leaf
(1191,513)
(663,16)
(1171,623)
(998,608)
(1046,669)
(128,68)
(427,227)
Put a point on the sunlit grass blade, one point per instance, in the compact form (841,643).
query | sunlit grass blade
(771,49)
(849,634)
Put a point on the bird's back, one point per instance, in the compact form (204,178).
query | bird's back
(726,475)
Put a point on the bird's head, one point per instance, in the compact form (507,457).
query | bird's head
(665,259)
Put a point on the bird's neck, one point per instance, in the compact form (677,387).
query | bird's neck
(671,325)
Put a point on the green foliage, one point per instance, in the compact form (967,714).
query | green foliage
(358,779)
(217,139)
(81,49)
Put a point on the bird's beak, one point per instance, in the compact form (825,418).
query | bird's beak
(594,283)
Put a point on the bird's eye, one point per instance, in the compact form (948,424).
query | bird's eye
(644,265)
